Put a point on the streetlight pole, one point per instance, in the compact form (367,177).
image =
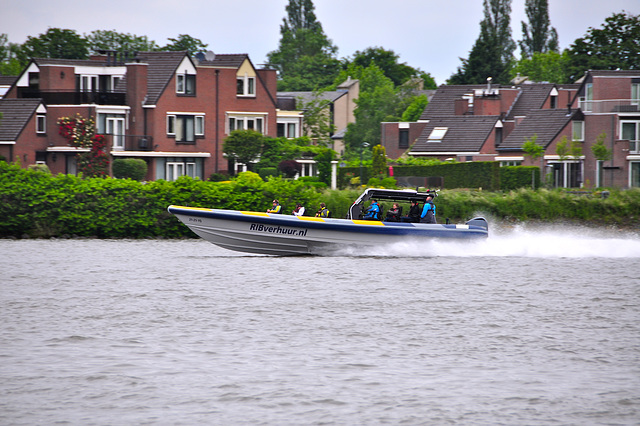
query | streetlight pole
(362,147)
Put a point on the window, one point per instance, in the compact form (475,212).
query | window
(510,163)
(246,123)
(87,83)
(185,128)
(41,123)
(635,94)
(245,86)
(403,138)
(287,130)
(186,84)
(437,134)
(588,104)
(577,130)
(115,127)
(176,169)
(630,130)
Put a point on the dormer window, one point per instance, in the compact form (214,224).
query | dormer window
(186,84)
(41,123)
(246,86)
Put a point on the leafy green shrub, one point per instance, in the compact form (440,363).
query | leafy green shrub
(218,177)
(265,172)
(129,168)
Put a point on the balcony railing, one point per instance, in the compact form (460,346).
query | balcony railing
(72,97)
(130,142)
(609,106)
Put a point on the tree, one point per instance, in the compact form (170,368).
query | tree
(600,151)
(388,62)
(549,67)
(290,168)
(120,42)
(614,46)
(9,63)
(379,160)
(243,146)
(317,118)
(185,42)
(55,43)
(537,36)
(305,58)
(415,108)
(492,53)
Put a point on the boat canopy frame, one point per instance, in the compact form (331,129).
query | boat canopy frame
(395,195)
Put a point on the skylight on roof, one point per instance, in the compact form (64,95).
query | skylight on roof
(437,134)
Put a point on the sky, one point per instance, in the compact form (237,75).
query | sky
(431,35)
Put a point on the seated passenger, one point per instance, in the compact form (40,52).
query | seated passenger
(394,213)
(277,208)
(414,213)
(298,211)
(323,211)
(372,213)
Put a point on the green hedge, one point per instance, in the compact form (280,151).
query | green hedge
(487,175)
(36,204)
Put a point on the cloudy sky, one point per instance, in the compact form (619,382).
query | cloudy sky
(428,34)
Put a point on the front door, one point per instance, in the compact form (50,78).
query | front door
(115,127)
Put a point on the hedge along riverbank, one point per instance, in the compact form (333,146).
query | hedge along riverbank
(482,174)
(37,204)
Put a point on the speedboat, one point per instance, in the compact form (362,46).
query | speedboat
(284,235)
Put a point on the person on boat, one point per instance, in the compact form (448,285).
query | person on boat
(393,215)
(372,213)
(277,208)
(298,211)
(428,211)
(323,211)
(414,212)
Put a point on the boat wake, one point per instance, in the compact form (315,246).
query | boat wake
(518,241)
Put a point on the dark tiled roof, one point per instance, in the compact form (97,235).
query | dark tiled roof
(306,97)
(531,96)
(162,67)
(546,123)
(466,133)
(226,60)
(442,103)
(7,80)
(68,62)
(615,73)
(15,115)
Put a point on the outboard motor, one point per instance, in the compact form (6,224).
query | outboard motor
(478,221)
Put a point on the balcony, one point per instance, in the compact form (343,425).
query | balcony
(130,142)
(609,106)
(69,97)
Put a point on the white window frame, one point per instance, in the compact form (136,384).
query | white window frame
(41,123)
(437,134)
(248,86)
(114,123)
(241,122)
(176,169)
(635,93)
(577,130)
(182,84)
(198,124)
(89,83)
(634,144)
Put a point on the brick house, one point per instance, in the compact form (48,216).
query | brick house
(491,123)
(163,107)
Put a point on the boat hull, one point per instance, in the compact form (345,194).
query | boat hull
(282,235)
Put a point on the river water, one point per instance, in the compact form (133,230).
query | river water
(532,326)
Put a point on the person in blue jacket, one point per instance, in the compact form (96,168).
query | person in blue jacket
(428,211)
(372,213)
